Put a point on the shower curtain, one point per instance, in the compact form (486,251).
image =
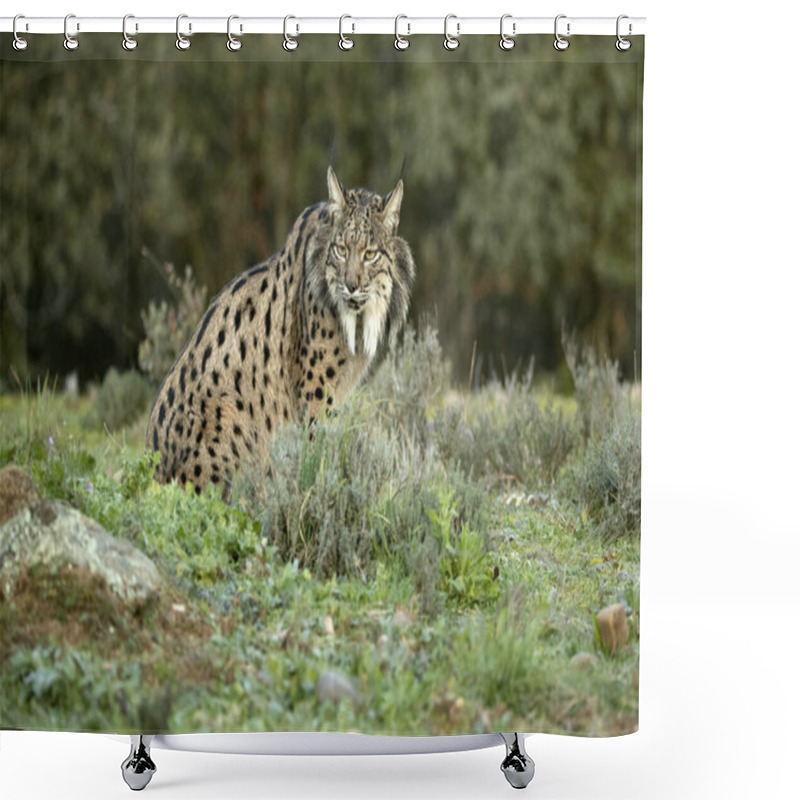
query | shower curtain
(445,542)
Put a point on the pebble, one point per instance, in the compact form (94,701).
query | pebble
(333,687)
(613,626)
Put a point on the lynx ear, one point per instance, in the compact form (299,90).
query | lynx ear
(335,190)
(391,206)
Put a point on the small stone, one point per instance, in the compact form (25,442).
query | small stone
(583,660)
(613,627)
(383,640)
(327,625)
(17,491)
(333,687)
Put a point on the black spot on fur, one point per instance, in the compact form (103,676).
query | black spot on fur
(206,355)
(206,320)
(221,337)
(238,285)
(171,396)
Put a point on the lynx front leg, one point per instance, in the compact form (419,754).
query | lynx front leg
(138,768)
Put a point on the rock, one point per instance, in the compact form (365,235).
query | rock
(583,660)
(613,627)
(333,687)
(327,626)
(51,535)
(17,491)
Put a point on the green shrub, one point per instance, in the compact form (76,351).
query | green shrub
(167,326)
(518,432)
(122,399)
(70,688)
(409,383)
(609,481)
(467,576)
(600,394)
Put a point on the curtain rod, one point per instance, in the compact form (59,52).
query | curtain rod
(404,26)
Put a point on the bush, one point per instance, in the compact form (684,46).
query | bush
(167,326)
(122,398)
(609,481)
(515,432)
(600,394)
(346,495)
(411,380)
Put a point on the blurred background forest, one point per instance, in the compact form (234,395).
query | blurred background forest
(522,196)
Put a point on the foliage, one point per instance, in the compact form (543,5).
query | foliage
(399,556)
(521,203)
(167,326)
(466,575)
(122,398)
(609,482)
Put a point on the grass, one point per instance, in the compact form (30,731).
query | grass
(443,551)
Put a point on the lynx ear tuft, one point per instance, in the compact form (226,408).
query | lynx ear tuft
(335,190)
(391,207)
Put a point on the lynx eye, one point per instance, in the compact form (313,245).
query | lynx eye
(340,250)
(370,256)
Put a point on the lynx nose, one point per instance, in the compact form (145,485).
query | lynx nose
(351,285)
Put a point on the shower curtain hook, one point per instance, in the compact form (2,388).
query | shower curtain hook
(345,42)
(70,42)
(182,43)
(451,42)
(507,42)
(290,44)
(234,42)
(128,41)
(19,43)
(623,44)
(400,42)
(560,42)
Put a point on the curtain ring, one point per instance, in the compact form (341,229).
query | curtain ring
(234,42)
(128,41)
(182,43)
(70,42)
(623,44)
(560,42)
(290,44)
(507,42)
(345,42)
(19,43)
(400,42)
(451,42)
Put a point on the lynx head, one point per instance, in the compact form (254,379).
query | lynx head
(368,268)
